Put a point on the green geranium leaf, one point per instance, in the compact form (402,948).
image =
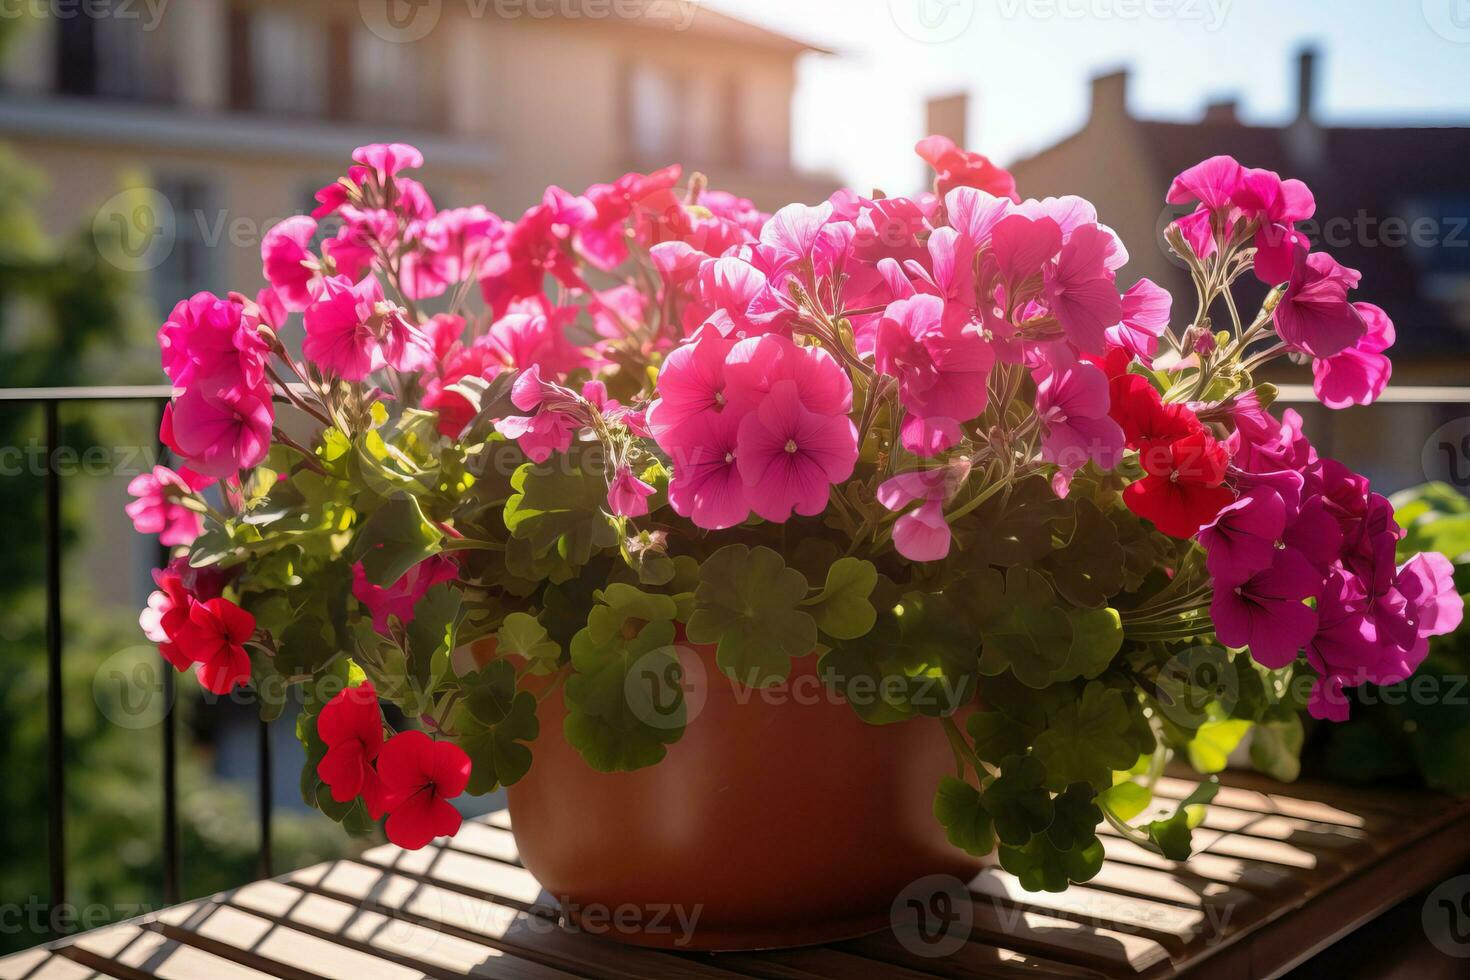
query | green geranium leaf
(499,753)
(394,538)
(966,823)
(1077,817)
(611,732)
(557,508)
(997,736)
(1097,636)
(1087,739)
(1017,801)
(1089,568)
(489,692)
(747,603)
(866,675)
(1126,800)
(1014,529)
(842,609)
(522,635)
(431,635)
(1276,747)
(1173,834)
(1212,744)
(621,605)
(1042,866)
(1022,627)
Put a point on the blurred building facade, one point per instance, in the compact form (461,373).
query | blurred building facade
(235,111)
(1392,202)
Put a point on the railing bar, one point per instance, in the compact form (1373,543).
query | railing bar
(263,795)
(56,731)
(170,749)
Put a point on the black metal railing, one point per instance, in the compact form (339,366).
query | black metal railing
(51,401)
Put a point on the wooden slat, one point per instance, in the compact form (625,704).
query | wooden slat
(137,950)
(42,964)
(438,953)
(479,916)
(1282,872)
(276,948)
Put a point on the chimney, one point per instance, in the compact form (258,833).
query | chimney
(1305,141)
(1306,83)
(946,116)
(1110,95)
(1222,112)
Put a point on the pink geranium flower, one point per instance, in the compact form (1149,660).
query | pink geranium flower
(339,334)
(288,264)
(386,160)
(397,601)
(922,534)
(789,456)
(756,365)
(1357,375)
(705,485)
(159,510)
(627,496)
(954,167)
(220,433)
(942,373)
(1241,540)
(1080,291)
(1072,404)
(1314,315)
(210,339)
(1145,317)
(691,385)
(1267,612)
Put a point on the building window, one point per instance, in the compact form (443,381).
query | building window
(288,63)
(111,54)
(394,83)
(192,264)
(656,114)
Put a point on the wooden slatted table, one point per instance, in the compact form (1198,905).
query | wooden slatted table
(1283,872)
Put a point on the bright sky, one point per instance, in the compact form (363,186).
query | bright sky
(1026,65)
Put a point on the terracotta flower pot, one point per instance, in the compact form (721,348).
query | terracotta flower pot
(779,819)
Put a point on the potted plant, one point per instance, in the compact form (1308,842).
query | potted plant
(775,561)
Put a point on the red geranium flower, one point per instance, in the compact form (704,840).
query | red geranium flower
(419,777)
(214,637)
(167,614)
(1183,489)
(352,727)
